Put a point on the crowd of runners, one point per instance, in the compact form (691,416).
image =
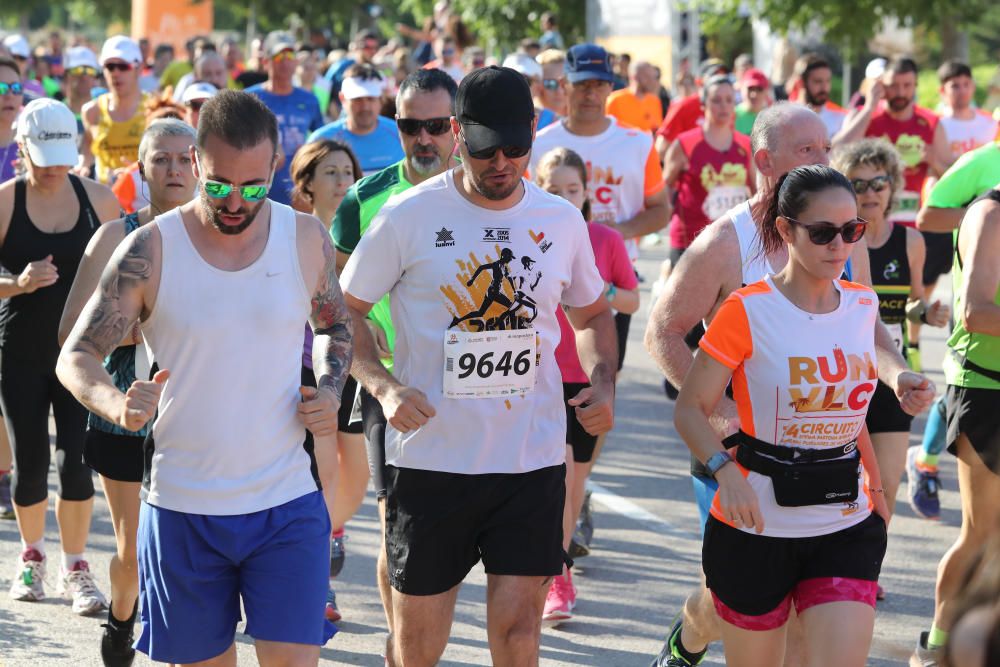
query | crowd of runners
(245,291)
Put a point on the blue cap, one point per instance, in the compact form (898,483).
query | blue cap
(588,61)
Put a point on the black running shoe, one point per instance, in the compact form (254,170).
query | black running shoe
(116,646)
(673,654)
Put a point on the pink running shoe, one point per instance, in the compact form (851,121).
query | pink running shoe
(560,601)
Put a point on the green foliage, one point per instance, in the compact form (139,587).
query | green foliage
(927,85)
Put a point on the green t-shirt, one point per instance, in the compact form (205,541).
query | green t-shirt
(982,349)
(174,72)
(744,119)
(355,214)
(972,174)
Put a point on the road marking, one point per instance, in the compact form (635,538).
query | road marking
(628,509)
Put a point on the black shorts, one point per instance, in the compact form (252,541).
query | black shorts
(374,422)
(884,413)
(753,574)
(976,413)
(117,457)
(576,436)
(940,255)
(622,322)
(347,399)
(438,525)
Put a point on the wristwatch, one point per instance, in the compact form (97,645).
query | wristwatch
(716,461)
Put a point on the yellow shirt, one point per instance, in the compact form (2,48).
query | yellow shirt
(115,144)
(644,113)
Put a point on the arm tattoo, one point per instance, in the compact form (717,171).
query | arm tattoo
(331,322)
(106,322)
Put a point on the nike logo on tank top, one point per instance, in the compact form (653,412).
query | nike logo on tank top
(226,439)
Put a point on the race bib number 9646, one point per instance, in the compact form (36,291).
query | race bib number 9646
(489,364)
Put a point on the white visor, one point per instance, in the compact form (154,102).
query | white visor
(353,88)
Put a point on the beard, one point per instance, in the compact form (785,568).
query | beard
(817,100)
(214,216)
(427,163)
(489,191)
(899,103)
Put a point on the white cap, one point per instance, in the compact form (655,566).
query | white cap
(48,130)
(354,87)
(17,45)
(277,42)
(121,47)
(875,68)
(201,90)
(523,64)
(80,56)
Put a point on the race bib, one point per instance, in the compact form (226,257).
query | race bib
(722,198)
(896,332)
(906,206)
(488,364)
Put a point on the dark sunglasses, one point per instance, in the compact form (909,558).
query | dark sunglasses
(823,233)
(12,88)
(434,126)
(119,67)
(510,152)
(878,184)
(552,84)
(81,70)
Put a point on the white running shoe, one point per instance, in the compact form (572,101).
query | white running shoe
(29,579)
(78,584)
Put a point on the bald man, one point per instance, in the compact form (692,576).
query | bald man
(638,105)
(209,67)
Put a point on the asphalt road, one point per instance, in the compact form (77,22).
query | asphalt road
(646,557)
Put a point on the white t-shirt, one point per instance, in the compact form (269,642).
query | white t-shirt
(423,249)
(833,118)
(622,169)
(966,135)
(799,380)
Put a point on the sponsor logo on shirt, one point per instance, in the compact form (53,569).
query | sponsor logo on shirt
(445,238)
(496,235)
(539,239)
(891,270)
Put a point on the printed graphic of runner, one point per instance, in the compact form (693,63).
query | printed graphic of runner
(494,294)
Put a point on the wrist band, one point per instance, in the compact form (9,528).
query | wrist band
(610,294)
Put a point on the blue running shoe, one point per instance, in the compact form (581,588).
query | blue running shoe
(922,486)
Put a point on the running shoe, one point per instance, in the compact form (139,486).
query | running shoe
(577,545)
(922,486)
(923,656)
(338,554)
(6,505)
(332,613)
(673,656)
(29,579)
(585,525)
(78,585)
(560,601)
(116,646)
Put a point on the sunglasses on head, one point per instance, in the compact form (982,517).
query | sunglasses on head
(12,88)
(877,184)
(119,67)
(510,152)
(81,70)
(823,233)
(552,84)
(287,54)
(434,126)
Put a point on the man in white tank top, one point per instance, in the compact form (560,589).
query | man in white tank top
(220,288)
(724,257)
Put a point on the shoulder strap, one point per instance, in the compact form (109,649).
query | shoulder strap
(20,200)
(86,208)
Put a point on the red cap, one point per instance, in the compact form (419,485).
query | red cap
(753,77)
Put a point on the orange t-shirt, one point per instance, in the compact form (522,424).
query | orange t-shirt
(644,113)
(800,380)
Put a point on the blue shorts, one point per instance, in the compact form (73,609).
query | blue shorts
(194,568)
(704,494)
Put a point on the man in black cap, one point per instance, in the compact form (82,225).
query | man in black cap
(475,447)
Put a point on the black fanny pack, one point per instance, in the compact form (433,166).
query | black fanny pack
(802,476)
(969,365)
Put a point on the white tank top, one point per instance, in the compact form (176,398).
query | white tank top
(226,439)
(754,262)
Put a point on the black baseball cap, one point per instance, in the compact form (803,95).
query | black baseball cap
(494,107)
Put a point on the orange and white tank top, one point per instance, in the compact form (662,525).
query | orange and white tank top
(800,380)
(115,144)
